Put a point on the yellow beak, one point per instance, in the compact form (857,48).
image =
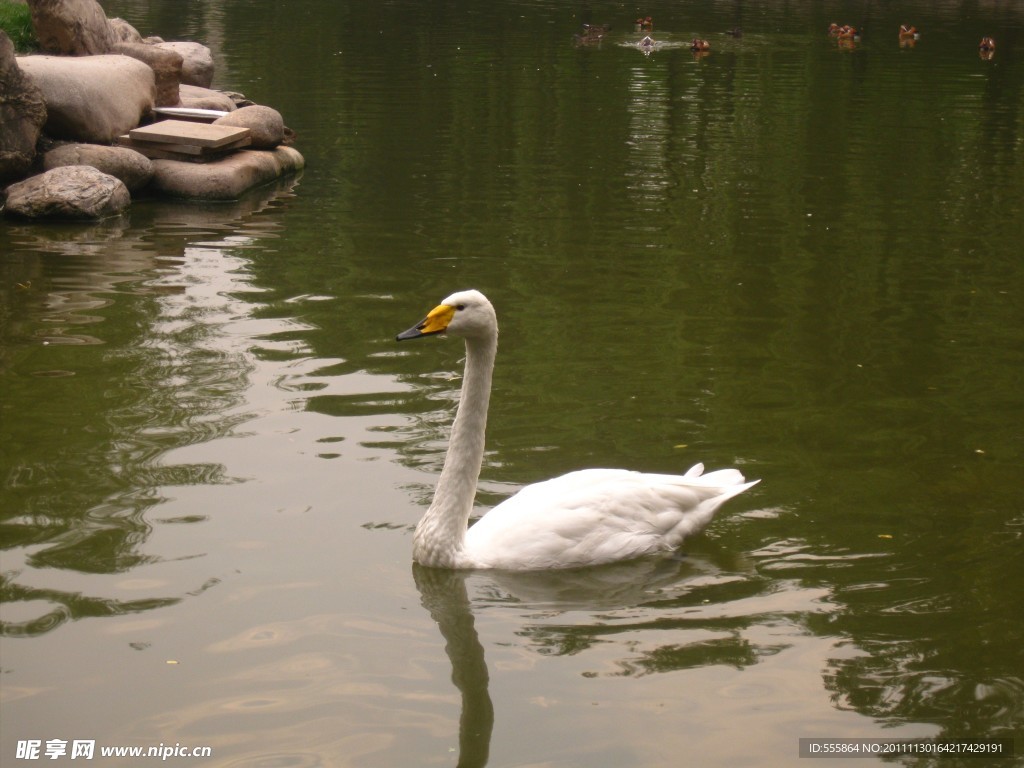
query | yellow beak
(436,321)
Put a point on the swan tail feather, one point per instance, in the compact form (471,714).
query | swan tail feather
(722,478)
(725,483)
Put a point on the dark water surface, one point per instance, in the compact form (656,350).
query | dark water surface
(800,259)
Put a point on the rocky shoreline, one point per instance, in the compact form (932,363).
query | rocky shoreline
(66,114)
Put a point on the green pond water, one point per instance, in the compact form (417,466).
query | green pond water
(801,259)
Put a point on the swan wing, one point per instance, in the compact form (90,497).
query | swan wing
(597,516)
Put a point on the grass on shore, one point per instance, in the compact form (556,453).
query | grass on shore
(16,21)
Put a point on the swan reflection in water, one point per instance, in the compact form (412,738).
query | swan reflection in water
(620,586)
(443,593)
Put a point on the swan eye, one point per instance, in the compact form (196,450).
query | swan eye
(460,307)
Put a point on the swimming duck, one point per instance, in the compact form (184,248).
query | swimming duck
(987,44)
(697,45)
(647,44)
(908,36)
(645,24)
(588,517)
(843,32)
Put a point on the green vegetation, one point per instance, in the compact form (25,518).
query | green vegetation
(16,21)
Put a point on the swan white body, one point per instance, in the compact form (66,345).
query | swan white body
(589,517)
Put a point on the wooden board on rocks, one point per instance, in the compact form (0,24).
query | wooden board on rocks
(186,152)
(188,114)
(182,132)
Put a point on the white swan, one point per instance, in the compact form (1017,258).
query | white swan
(588,517)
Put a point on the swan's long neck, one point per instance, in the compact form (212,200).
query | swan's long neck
(441,533)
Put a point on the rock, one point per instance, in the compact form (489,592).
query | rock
(197,66)
(240,99)
(194,97)
(225,179)
(123,32)
(72,192)
(133,169)
(91,98)
(71,27)
(266,127)
(166,66)
(22,114)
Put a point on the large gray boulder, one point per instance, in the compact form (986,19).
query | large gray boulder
(22,114)
(133,169)
(72,192)
(265,124)
(194,97)
(166,66)
(92,98)
(197,66)
(71,27)
(225,179)
(123,32)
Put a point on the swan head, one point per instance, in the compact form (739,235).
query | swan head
(467,314)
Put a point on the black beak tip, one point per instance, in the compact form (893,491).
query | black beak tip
(412,333)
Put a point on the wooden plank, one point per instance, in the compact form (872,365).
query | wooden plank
(191,114)
(185,152)
(163,147)
(185,149)
(184,132)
